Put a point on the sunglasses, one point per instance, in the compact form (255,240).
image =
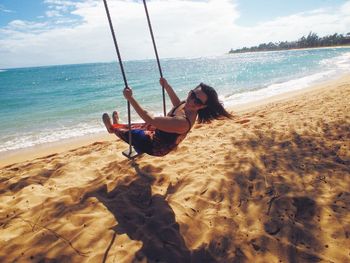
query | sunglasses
(195,99)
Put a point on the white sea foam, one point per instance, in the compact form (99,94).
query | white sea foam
(18,141)
(277,89)
(334,67)
(29,139)
(341,62)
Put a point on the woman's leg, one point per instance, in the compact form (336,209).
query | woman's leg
(140,139)
(107,122)
(141,133)
(115,117)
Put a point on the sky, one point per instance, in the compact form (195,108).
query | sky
(55,32)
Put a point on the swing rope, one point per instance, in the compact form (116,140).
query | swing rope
(129,155)
(156,52)
(123,73)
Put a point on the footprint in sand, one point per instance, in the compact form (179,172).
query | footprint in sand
(284,211)
(243,121)
(293,219)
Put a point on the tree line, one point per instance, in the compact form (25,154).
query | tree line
(312,40)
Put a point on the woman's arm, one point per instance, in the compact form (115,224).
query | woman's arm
(173,97)
(167,124)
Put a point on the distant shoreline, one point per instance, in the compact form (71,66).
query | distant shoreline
(275,50)
(312,40)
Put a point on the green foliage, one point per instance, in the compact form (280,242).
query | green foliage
(310,41)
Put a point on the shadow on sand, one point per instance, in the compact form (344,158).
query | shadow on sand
(147,218)
(285,176)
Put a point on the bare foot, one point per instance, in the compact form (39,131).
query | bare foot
(107,122)
(115,117)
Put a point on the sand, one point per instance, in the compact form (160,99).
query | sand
(271,185)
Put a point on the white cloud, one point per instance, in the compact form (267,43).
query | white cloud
(59,7)
(60,2)
(5,10)
(294,26)
(181,28)
(52,13)
(16,26)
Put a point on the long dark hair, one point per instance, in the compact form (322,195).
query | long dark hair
(214,109)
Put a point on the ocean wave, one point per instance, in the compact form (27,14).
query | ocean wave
(30,139)
(332,67)
(278,88)
(341,62)
(2,70)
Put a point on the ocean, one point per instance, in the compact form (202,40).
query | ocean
(47,104)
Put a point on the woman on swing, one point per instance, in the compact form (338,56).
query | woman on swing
(160,135)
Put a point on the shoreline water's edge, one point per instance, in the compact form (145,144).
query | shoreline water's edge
(39,151)
(65,102)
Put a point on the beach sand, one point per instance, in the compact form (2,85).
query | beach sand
(271,185)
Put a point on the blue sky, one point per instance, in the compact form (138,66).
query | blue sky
(32,10)
(252,11)
(17,9)
(47,32)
